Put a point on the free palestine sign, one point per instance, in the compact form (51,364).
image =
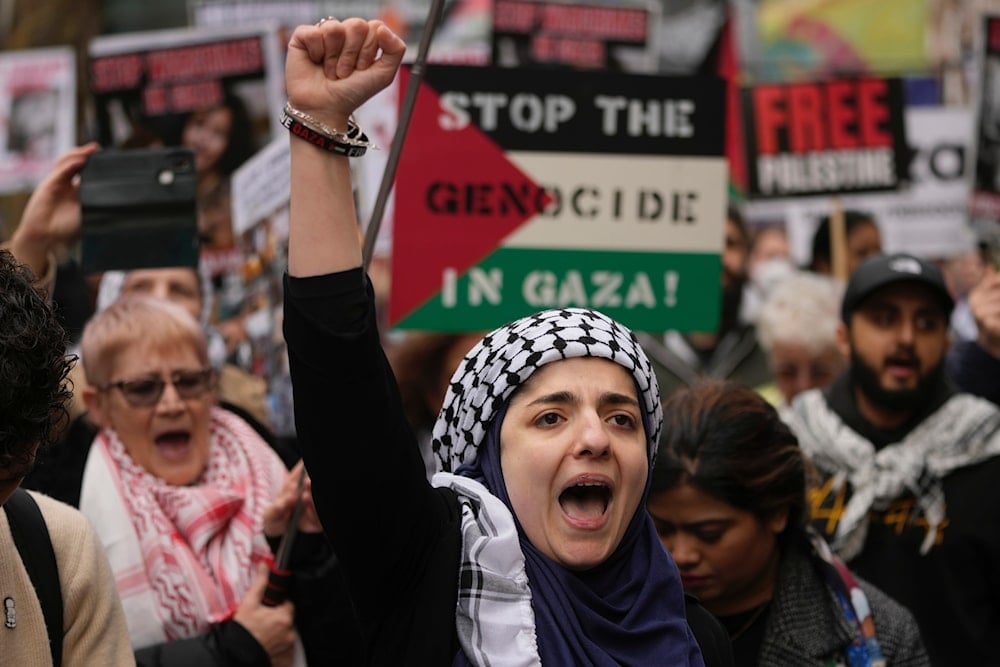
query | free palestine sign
(519,190)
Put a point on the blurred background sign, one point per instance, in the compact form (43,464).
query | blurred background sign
(37,113)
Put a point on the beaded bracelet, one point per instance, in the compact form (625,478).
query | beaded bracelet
(353,143)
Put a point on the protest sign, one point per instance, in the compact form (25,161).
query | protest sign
(584,35)
(144,84)
(792,40)
(218,92)
(38,109)
(830,137)
(986,174)
(534,189)
(928,219)
(227,13)
(261,185)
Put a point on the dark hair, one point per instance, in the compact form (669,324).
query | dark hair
(725,439)
(33,366)
(821,247)
(734,216)
(418,362)
(240,145)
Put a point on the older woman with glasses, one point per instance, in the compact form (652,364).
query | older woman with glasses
(179,491)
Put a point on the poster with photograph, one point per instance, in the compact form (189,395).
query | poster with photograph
(584,35)
(218,92)
(38,112)
(986,174)
(462,36)
(254,294)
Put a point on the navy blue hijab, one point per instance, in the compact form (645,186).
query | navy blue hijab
(629,610)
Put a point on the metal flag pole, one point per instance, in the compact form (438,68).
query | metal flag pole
(405,112)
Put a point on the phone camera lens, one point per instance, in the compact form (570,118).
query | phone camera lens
(165,177)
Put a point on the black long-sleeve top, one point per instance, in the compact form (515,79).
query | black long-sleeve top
(397,538)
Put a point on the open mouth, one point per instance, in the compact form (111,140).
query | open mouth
(902,365)
(585,502)
(173,444)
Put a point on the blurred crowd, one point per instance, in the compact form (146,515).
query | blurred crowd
(825,484)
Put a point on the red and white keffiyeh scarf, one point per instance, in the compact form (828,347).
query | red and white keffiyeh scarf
(186,553)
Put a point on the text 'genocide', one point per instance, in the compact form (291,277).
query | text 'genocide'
(580,201)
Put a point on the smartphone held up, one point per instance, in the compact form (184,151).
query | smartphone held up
(138,209)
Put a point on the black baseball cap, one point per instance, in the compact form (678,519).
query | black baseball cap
(877,272)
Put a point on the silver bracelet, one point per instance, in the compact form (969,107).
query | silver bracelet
(353,137)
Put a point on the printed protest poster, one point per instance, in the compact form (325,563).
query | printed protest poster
(575,34)
(793,40)
(218,92)
(261,185)
(228,13)
(254,294)
(535,189)
(986,175)
(928,219)
(831,137)
(146,84)
(38,112)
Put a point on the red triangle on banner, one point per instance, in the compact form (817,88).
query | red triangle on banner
(457,198)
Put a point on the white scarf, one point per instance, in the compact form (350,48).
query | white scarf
(494,617)
(182,557)
(962,432)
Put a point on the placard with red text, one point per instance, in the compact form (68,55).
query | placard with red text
(144,84)
(834,137)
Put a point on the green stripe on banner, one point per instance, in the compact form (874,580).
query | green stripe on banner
(646,291)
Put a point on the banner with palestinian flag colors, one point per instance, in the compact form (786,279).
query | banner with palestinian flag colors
(519,190)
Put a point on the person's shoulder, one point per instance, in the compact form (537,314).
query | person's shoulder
(973,421)
(74,540)
(711,635)
(67,526)
(895,626)
(57,513)
(971,403)
(884,608)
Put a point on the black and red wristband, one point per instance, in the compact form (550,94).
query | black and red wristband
(359,140)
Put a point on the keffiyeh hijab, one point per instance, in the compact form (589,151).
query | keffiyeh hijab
(515,605)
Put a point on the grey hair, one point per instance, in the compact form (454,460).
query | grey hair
(804,309)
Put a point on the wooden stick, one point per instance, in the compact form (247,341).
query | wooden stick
(838,241)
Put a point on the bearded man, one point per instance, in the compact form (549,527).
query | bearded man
(909,485)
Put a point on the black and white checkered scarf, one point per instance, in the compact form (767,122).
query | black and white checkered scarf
(495,620)
(962,432)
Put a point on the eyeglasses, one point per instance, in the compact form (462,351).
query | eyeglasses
(147,391)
